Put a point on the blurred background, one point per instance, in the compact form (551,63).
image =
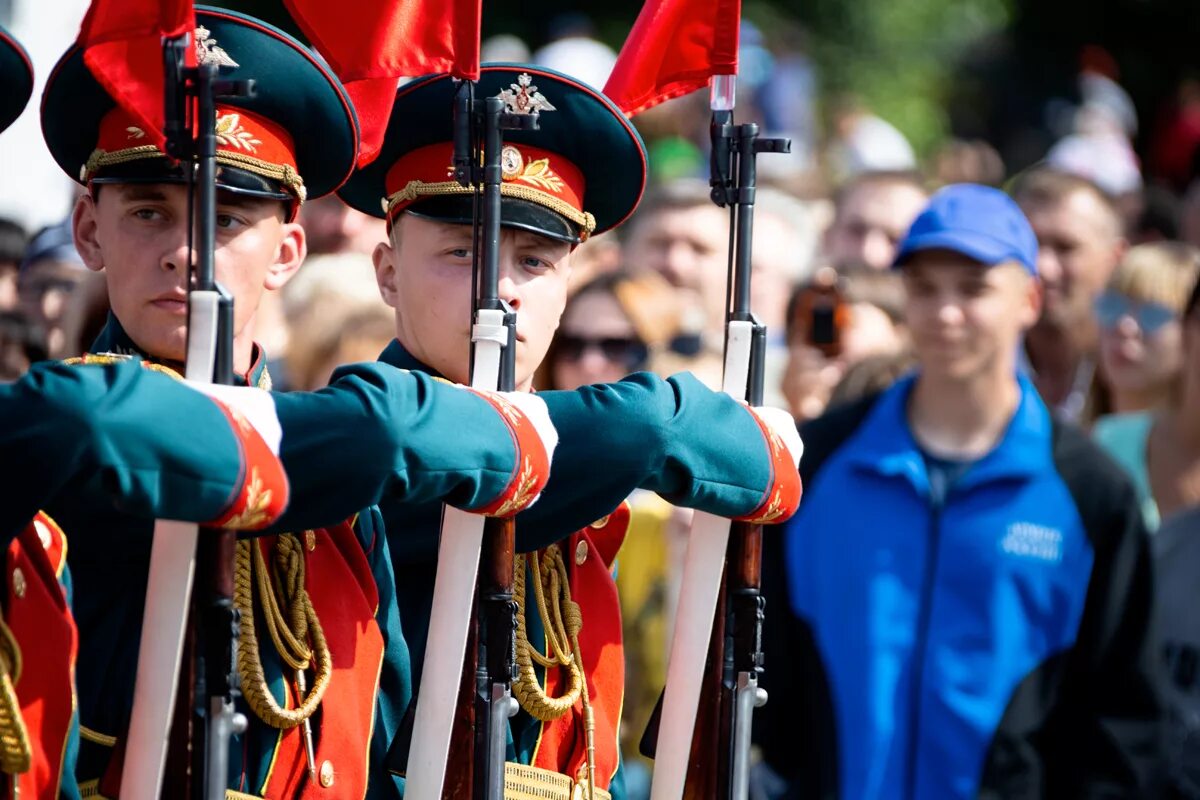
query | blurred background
(1089,113)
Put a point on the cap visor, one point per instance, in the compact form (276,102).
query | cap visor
(514,213)
(974,246)
(163,170)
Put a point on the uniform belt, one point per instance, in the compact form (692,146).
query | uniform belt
(90,790)
(522,782)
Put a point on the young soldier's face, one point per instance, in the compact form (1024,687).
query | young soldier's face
(966,319)
(424,273)
(138,235)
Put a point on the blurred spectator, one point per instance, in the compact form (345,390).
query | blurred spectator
(345,332)
(574,50)
(1080,241)
(871,376)
(1100,151)
(864,142)
(1160,448)
(21,344)
(333,227)
(599,255)
(348,274)
(504,47)
(871,214)
(864,321)
(1099,146)
(962,161)
(13,241)
(1176,564)
(680,234)
(612,326)
(1173,151)
(1140,334)
(48,274)
(326,292)
(968,581)
(85,316)
(1160,219)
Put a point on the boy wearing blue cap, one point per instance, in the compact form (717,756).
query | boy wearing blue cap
(968,578)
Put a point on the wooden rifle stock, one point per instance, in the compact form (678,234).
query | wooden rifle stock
(460,765)
(469,747)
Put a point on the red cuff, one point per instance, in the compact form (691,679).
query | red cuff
(782,497)
(263,493)
(532,469)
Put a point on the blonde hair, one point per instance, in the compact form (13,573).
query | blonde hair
(1159,272)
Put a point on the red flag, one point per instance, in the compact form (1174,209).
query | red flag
(370,44)
(674,48)
(122,46)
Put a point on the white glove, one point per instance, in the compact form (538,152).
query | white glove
(783,425)
(256,405)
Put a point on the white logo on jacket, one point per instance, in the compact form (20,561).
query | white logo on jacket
(1033,541)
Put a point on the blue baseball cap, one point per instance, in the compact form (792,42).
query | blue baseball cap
(980,222)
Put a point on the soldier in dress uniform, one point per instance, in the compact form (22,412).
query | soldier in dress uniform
(582,172)
(319,622)
(118,422)
(60,423)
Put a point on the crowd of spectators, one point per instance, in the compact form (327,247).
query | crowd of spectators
(1113,348)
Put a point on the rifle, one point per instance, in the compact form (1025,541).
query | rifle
(463,590)
(198,738)
(719,595)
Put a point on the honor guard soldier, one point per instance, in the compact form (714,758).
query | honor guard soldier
(316,596)
(60,423)
(580,173)
(137,432)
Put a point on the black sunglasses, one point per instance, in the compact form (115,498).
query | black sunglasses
(629,352)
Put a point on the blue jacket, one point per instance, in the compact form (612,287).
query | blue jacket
(938,647)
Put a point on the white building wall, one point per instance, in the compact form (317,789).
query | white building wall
(33,190)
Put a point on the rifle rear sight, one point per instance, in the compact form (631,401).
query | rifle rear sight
(731,141)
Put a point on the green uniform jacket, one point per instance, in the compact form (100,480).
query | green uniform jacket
(695,447)
(151,445)
(136,434)
(374,432)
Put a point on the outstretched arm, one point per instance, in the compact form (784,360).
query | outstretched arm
(380,432)
(695,447)
(161,448)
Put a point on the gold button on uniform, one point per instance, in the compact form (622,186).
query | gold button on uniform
(18,582)
(310,540)
(600,523)
(581,553)
(326,774)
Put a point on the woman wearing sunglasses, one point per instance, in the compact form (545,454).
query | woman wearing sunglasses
(1142,391)
(609,329)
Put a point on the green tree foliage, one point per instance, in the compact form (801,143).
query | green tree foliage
(898,56)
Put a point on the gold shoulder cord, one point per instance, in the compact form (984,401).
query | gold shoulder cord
(291,623)
(561,620)
(16,753)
